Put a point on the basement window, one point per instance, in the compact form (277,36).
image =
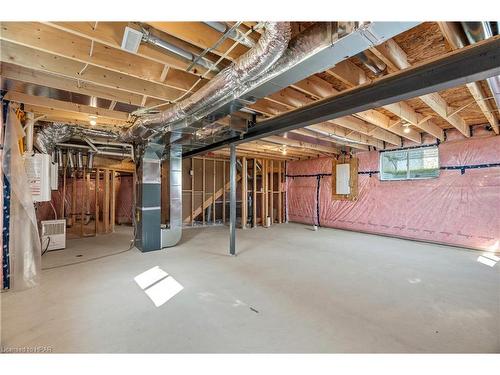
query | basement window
(411,164)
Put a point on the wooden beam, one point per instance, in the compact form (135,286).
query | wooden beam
(270,150)
(399,59)
(310,132)
(244,192)
(213,192)
(20,73)
(383,121)
(51,114)
(266,191)
(263,192)
(192,191)
(271,190)
(224,192)
(203,194)
(348,73)
(113,202)
(254,153)
(418,120)
(73,200)
(295,143)
(39,60)
(315,87)
(291,99)
(201,35)
(82,201)
(280,195)
(96,191)
(352,76)
(110,34)
(105,204)
(43,37)
(254,193)
(42,101)
(209,201)
(63,200)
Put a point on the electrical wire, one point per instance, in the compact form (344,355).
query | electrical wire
(47,247)
(91,259)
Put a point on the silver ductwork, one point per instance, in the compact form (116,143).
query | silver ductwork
(236,34)
(47,137)
(222,87)
(315,50)
(372,62)
(172,235)
(149,38)
(475,32)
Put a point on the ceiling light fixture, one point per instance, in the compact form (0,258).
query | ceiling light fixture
(406,126)
(93,120)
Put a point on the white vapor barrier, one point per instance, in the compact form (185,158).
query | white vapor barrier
(24,244)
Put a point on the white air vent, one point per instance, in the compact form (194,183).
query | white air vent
(53,234)
(131,40)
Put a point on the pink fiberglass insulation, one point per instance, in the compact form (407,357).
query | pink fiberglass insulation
(124,199)
(456,208)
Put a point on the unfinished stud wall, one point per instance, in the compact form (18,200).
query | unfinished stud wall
(91,201)
(205,194)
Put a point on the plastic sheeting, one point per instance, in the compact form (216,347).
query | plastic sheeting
(24,242)
(461,207)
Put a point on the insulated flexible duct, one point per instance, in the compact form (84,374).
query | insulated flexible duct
(252,64)
(48,136)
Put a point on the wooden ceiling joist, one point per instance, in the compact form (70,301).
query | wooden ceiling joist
(313,133)
(451,34)
(398,57)
(59,105)
(41,78)
(57,115)
(200,35)
(354,136)
(301,144)
(43,61)
(111,34)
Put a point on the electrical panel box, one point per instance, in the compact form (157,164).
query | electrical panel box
(53,234)
(342,182)
(38,171)
(345,178)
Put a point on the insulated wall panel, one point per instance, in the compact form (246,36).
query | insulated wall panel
(460,207)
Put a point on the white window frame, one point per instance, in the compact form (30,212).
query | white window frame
(407,178)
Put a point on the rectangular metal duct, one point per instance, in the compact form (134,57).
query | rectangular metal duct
(317,49)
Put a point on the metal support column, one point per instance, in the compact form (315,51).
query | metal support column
(232,201)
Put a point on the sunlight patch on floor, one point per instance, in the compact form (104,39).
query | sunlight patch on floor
(158,285)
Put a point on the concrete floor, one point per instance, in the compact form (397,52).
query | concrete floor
(289,290)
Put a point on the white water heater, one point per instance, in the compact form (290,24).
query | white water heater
(38,171)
